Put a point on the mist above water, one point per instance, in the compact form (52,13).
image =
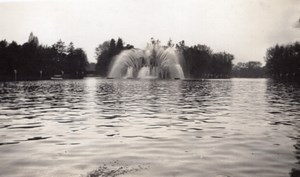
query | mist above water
(154,62)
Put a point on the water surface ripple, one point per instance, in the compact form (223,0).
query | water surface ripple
(230,127)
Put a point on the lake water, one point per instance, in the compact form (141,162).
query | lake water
(230,127)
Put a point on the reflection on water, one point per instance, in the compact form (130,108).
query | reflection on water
(284,100)
(234,127)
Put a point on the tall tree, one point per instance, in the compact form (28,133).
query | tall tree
(61,53)
(33,39)
(283,61)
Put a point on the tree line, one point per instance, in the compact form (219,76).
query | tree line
(283,61)
(34,61)
(251,69)
(31,60)
(201,62)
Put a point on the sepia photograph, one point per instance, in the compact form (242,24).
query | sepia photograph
(149,88)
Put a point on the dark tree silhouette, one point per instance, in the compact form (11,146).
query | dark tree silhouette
(283,61)
(33,39)
(201,62)
(251,69)
(32,61)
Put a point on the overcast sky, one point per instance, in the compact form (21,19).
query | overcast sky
(245,28)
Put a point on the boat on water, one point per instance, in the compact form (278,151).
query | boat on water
(57,77)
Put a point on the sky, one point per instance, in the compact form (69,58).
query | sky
(244,28)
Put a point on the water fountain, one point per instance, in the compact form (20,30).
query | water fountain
(154,62)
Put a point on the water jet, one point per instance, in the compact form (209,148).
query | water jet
(154,62)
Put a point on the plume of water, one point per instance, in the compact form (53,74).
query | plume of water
(153,62)
(129,73)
